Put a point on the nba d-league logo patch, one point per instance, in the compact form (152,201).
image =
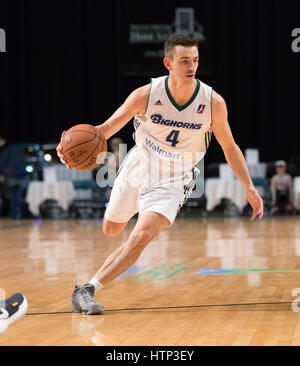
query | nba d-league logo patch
(201,108)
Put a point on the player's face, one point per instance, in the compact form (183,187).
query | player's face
(184,63)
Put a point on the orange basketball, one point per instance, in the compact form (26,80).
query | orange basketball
(84,147)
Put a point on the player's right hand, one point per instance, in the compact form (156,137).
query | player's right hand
(60,153)
(256,203)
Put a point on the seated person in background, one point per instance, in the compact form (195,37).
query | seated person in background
(281,189)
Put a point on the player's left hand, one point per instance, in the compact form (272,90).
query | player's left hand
(256,203)
(60,153)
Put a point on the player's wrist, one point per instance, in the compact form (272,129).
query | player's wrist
(249,188)
(103,130)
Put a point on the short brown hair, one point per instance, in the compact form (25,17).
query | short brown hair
(178,40)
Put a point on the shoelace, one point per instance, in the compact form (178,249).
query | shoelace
(87,297)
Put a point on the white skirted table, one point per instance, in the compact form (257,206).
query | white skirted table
(216,189)
(296,186)
(38,192)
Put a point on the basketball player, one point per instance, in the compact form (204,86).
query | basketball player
(174,117)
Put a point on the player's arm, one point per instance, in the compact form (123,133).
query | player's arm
(136,102)
(221,129)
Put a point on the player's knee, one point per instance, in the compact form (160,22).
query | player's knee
(141,238)
(110,233)
(111,230)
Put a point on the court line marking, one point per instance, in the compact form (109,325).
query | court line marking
(172,307)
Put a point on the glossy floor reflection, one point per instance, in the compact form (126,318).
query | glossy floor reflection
(200,282)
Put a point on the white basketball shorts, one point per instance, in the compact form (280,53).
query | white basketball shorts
(136,190)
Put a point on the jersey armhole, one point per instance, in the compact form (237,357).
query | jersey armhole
(151,80)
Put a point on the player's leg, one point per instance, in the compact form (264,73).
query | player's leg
(123,204)
(148,225)
(111,228)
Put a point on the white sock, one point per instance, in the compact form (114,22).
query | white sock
(98,285)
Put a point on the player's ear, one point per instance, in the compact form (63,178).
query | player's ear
(167,63)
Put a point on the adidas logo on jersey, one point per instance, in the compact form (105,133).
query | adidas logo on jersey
(158,102)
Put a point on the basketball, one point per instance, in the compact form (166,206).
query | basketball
(84,147)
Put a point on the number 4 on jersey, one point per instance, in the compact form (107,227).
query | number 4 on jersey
(172,137)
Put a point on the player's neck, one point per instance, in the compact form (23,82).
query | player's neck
(181,90)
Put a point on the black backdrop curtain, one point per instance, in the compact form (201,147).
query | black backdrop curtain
(64,60)
(59,68)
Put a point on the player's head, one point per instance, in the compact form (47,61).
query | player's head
(181,57)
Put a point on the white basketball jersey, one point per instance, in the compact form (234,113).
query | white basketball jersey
(169,132)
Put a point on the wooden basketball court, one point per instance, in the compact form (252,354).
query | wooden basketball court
(204,281)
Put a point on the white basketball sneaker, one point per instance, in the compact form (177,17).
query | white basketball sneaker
(12,309)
